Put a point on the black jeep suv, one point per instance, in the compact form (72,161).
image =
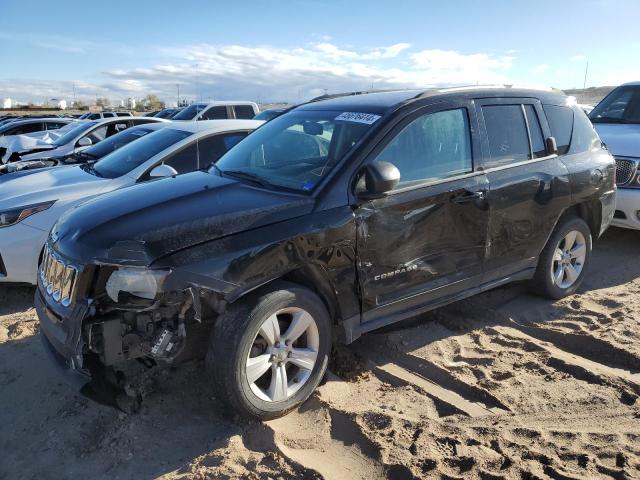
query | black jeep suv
(336,218)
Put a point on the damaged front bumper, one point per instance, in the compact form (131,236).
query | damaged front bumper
(61,338)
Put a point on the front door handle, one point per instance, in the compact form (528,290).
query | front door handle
(467,197)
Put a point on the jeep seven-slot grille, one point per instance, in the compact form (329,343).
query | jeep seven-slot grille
(625,170)
(58,277)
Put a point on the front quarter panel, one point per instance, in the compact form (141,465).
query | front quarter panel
(320,242)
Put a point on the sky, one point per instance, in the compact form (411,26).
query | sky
(293,50)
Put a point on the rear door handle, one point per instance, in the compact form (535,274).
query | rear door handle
(467,197)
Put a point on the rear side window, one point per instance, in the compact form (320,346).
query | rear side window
(507,133)
(432,147)
(108,115)
(244,112)
(54,126)
(584,136)
(561,124)
(215,113)
(123,114)
(28,128)
(535,132)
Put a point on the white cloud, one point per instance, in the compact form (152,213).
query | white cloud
(541,69)
(266,73)
(454,67)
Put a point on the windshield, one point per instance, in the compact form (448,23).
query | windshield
(190,112)
(298,149)
(620,106)
(131,156)
(73,133)
(116,141)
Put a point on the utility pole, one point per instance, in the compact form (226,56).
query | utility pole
(178,87)
(586,70)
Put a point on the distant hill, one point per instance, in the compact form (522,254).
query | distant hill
(591,95)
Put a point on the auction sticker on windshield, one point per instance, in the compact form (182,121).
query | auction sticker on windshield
(358,117)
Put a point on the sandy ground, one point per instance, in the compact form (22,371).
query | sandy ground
(504,385)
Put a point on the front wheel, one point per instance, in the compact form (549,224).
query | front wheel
(564,260)
(269,351)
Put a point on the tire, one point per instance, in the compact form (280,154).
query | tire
(561,270)
(245,342)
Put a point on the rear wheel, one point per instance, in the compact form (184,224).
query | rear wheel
(269,352)
(564,260)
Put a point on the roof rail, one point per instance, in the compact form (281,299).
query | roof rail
(362,92)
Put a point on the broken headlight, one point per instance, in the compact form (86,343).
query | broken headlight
(138,282)
(16,215)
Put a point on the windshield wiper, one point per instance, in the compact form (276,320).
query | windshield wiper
(252,177)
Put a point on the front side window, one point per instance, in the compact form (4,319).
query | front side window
(134,154)
(98,134)
(620,106)
(298,149)
(73,133)
(203,153)
(507,134)
(432,147)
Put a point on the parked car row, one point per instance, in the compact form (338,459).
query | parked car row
(256,244)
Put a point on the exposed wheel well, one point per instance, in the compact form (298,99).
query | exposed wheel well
(591,212)
(316,280)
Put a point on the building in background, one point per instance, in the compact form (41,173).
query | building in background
(131,103)
(62,104)
(7,103)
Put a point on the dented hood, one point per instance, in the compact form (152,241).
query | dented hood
(137,225)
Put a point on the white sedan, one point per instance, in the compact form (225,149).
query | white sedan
(30,205)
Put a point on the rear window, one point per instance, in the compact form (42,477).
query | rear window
(561,125)
(244,112)
(507,133)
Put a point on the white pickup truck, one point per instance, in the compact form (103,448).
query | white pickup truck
(218,111)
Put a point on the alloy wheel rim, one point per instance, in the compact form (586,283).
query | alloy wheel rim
(279,364)
(568,259)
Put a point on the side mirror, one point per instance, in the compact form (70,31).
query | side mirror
(379,179)
(552,146)
(85,142)
(163,171)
